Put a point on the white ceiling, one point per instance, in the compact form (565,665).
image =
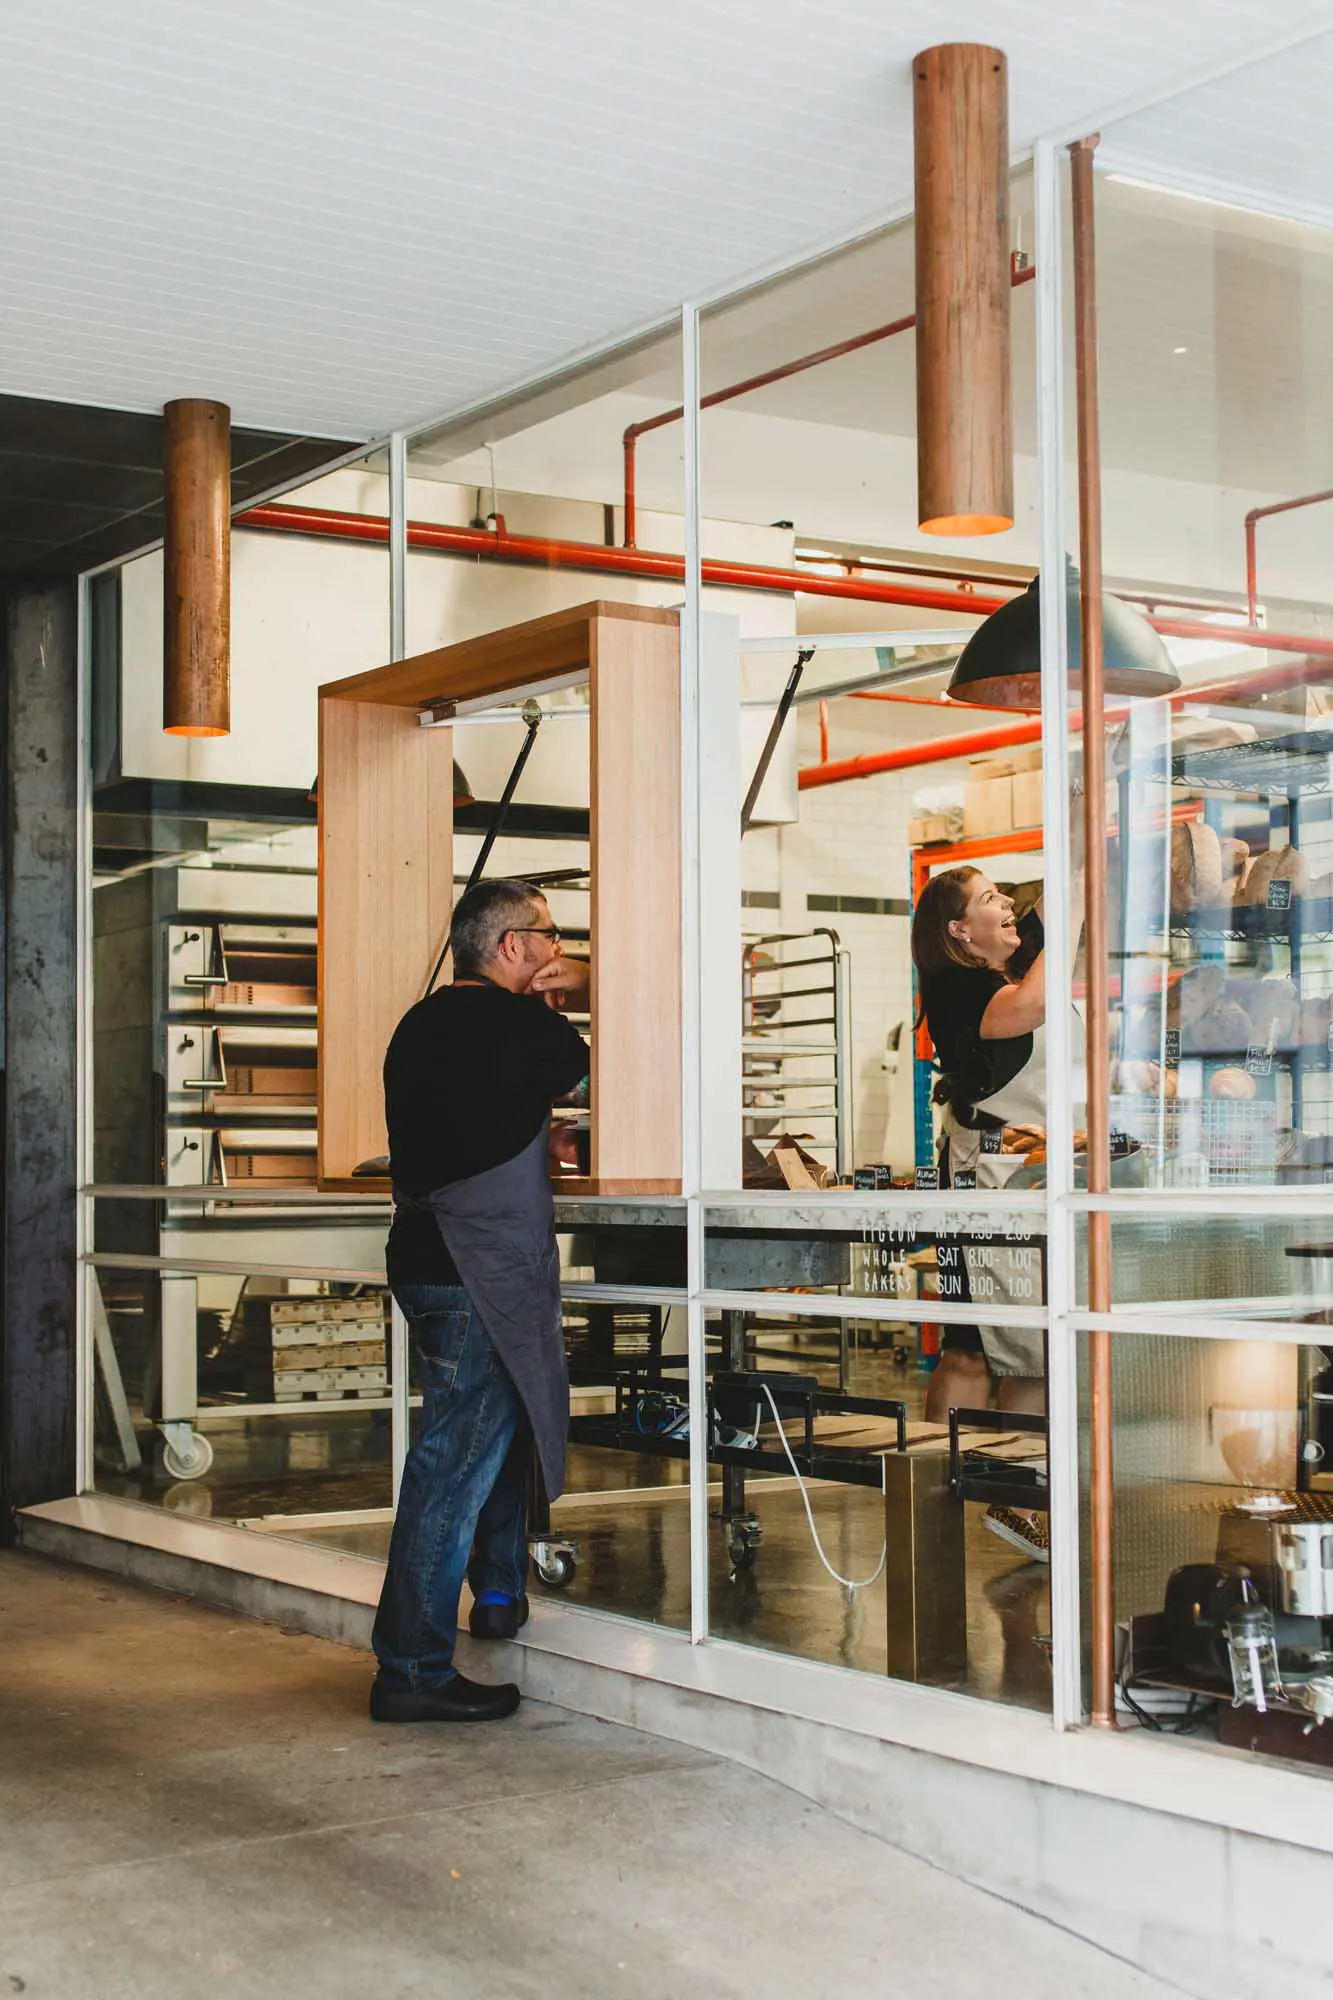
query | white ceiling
(343,216)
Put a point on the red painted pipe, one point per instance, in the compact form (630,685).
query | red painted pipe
(1252,520)
(941,749)
(328,522)
(1019,274)
(607,561)
(974,743)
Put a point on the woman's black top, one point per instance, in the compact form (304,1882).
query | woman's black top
(953,1002)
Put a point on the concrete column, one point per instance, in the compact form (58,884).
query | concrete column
(38,796)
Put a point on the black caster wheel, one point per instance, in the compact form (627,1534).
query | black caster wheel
(743,1540)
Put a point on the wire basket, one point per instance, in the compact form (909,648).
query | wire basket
(1235,1138)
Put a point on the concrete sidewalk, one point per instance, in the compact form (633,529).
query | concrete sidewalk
(194,1805)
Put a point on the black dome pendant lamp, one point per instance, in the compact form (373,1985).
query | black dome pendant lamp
(1000,667)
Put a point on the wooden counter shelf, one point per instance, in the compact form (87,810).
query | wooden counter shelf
(386,875)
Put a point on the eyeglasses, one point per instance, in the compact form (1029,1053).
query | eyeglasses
(551,931)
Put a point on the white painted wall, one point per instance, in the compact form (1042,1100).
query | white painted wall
(305,612)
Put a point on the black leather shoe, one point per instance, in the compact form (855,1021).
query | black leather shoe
(458,1700)
(498,1621)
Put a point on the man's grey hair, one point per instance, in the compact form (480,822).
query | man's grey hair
(481,918)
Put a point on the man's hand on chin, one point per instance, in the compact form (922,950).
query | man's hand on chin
(562,982)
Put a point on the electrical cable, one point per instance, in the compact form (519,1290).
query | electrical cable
(1183,1724)
(848,1583)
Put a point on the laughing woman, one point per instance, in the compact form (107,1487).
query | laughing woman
(982,983)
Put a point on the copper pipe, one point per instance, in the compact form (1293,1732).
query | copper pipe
(1020,273)
(1252,520)
(823,732)
(964,399)
(196,568)
(1101,1466)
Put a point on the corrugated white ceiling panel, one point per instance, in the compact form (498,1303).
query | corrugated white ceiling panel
(1262,135)
(342,218)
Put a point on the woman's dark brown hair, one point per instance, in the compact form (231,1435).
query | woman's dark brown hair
(943,901)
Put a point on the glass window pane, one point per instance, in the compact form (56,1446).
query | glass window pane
(1216,356)
(1275,1266)
(825,1472)
(259,1399)
(1222,1496)
(808,489)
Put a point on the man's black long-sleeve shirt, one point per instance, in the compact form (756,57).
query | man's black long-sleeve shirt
(470,1075)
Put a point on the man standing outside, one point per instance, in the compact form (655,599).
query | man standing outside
(469,1079)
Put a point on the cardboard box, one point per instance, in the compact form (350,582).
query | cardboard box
(1027,758)
(929,830)
(988,807)
(1027,798)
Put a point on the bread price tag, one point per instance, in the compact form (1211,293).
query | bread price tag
(1173,1048)
(992,1140)
(1258,1060)
(966,1177)
(1120,1145)
(1279,895)
(926,1177)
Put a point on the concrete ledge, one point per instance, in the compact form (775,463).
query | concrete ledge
(1213,1908)
(322,1614)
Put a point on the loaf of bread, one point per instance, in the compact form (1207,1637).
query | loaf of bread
(1235,867)
(1237,1083)
(1195,992)
(1281,864)
(1202,732)
(1224,1029)
(1273,1006)
(1146,1079)
(1196,867)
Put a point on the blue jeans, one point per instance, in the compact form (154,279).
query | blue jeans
(463,1506)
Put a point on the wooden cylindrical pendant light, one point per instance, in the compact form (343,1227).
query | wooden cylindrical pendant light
(196,692)
(965,453)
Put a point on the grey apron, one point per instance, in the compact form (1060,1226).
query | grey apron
(1003,1274)
(499,1228)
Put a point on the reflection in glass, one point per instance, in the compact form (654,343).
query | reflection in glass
(825,1473)
(246,1398)
(1215,421)
(1223,1539)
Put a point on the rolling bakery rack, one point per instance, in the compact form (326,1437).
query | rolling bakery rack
(796,1073)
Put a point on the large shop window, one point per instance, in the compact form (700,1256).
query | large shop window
(1216,363)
